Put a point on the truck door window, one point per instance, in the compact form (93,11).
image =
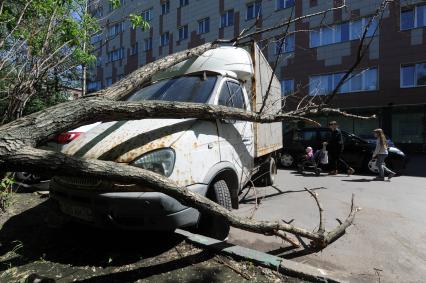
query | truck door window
(231,95)
(225,98)
(237,95)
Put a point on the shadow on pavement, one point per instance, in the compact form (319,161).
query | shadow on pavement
(362,180)
(245,200)
(75,244)
(207,275)
(309,174)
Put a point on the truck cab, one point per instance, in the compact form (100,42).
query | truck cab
(213,158)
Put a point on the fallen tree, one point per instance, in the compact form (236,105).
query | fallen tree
(19,141)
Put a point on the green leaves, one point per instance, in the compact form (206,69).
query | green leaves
(135,19)
(138,21)
(70,31)
(115,3)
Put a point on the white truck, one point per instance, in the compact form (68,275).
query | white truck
(213,158)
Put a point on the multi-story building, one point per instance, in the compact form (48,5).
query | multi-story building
(389,82)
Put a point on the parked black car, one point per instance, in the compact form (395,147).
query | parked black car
(357,152)
(370,138)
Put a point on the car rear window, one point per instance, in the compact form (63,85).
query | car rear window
(309,135)
(324,135)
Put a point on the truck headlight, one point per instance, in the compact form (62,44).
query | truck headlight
(161,161)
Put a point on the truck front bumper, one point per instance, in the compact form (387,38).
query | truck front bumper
(125,210)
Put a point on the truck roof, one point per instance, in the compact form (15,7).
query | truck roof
(225,60)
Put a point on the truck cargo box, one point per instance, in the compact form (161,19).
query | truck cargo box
(268,137)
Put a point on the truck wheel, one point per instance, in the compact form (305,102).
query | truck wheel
(211,225)
(266,174)
(271,172)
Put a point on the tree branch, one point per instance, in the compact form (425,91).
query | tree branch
(28,158)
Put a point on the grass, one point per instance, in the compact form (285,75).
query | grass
(6,191)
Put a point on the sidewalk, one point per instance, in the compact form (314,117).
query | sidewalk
(386,242)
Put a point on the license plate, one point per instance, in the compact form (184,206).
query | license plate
(76,211)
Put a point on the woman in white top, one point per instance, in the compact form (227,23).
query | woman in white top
(380,153)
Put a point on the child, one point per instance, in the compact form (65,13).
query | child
(309,153)
(380,153)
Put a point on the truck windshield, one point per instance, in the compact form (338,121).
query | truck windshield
(182,89)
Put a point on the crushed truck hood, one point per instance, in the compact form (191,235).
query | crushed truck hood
(124,141)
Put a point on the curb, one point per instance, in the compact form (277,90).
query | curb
(284,266)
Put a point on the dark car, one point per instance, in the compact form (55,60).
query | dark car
(370,138)
(357,152)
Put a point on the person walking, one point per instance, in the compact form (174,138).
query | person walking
(335,148)
(380,154)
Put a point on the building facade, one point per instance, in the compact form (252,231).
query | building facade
(390,81)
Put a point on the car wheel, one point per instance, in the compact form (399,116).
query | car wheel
(392,165)
(212,225)
(286,160)
(372,166)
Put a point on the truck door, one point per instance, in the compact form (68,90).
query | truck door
(236,138)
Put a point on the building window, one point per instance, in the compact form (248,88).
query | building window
(165,8)
(342,32)
(98,61)
(364,80)
(183,3)
(94,86)
(117,54)
(204,26)
(413,17)
(284,4)
(183,32)
(254,10)
(96,38)
(134,49)
(147,44)
(408,126)
(413,75)
(287,45)
(115,29)
(287,86)
(227,19)
(147,15)
(165,39)
(97,13)
(108,82)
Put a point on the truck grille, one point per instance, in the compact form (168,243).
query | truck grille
(79,181)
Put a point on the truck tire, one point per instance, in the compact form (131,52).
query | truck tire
(271,172)
(211,225)
(267,173)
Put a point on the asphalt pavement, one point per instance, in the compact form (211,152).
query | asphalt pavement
(387,242)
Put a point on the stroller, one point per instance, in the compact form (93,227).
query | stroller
(311,161)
